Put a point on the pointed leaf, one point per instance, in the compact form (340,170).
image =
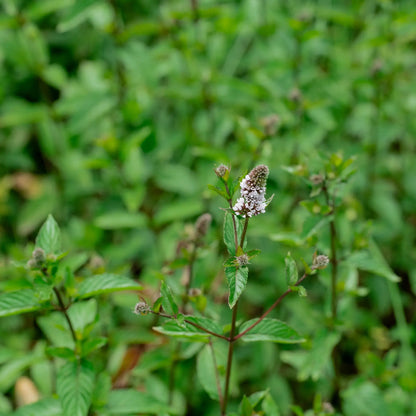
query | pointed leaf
(291,270)
(49,236)
(373,261)
(229,238)
(105,283)
(271,330)
(168,301)
(129,401)
(237,281)
(43,407)
(187,330)
(21,301)
(206,371)
(74,385)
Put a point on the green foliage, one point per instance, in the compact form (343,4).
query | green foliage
(114,117)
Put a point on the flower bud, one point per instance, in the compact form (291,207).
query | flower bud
(142,308)
(242,260)
(320,262)
(201,226)
(39,255)
(270,124)
(194,292)
(316,178)
(222,170)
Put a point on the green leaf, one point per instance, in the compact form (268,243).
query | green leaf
(120,219)
(74,385)
(291,270)
(188,331)
(373,261)
(61,352)
(219,191)
(229,236)
(269,406)
(82,314)
(245,408)
(313,363)
(15,367)
(205,368)
(93,344)
(237,281)
(105,283)
(129,401)
(168,301)
(21,301)
(271,330)
(364,398)
(49,236)
(43,407)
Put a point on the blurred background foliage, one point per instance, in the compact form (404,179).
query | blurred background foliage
(113,115)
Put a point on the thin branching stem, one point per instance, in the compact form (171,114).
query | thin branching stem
(334,260)
(63,309)
(276,303)
(214,334)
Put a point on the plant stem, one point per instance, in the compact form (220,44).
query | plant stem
(334,260)
(278,300)
(243,235)
(65,312)
(229,361)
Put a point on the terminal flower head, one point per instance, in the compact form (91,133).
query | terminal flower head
(252,201)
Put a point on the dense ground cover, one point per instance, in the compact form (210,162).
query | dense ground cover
(114,115)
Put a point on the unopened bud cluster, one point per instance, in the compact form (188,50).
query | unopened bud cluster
(142,308)
(38,258)
(221,170)
(253,189)
(242,260)
(320,262)
(202,225)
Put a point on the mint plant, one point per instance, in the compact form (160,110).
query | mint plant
(198,327)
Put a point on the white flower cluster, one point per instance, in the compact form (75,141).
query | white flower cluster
(252,189)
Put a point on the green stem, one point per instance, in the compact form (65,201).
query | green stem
(214,334)
(65,312)
(229,361)
(334,260)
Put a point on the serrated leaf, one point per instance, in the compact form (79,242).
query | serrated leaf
(237,280)
(271,330)
(206,371)
(93,344)
(61,352)
(74,385)
(291,270)
(129,401)
(188,331)
(82,314)
(168,301)
(43,407)
(49,236)
(314,363)
(21,301)
(105,283)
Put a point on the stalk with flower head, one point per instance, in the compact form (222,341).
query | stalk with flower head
(250,203)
